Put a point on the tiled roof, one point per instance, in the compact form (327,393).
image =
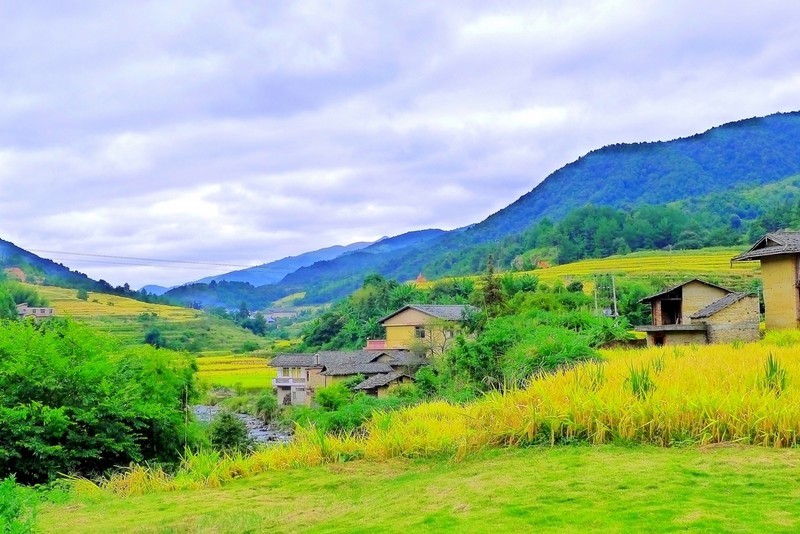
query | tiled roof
(771,245)
(380,380)
(448,312)
(673,288)
(356,369)
(719,305)
(403,357)
(294,360)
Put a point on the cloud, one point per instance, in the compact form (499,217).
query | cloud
(236,132)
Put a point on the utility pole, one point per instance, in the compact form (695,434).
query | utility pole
(614,295)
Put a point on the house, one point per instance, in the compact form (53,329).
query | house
(779,254)
(698,312)
(431,325)
(37,312)
(300,375)
(380,385)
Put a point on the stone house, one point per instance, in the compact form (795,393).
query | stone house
(299,376)
(698,312)
(779,254)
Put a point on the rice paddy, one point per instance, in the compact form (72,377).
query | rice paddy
(241,373)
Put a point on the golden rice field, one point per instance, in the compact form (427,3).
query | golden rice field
(678,264)
(696,395)
(245,373)
(65,302)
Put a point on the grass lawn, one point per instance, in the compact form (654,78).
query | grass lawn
(562,489)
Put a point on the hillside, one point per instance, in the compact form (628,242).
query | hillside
(36,268)
(130,320)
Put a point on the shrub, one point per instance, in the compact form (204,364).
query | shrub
(17,510)
(73,401)
(229,433)
(333,397)
(267,407)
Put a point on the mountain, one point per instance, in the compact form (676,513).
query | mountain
(745,154)
(270,273)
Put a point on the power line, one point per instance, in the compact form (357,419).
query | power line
(78,260)
(138,259)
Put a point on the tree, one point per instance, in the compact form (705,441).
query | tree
(82,294)
(492,299)
(155,338)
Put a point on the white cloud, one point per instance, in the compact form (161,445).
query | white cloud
(238,132)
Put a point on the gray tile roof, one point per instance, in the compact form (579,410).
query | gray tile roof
(402,357)
(339,369)
(380,380)
(772,244)
(294,360)
(673,288)
(719,305)
(448,312)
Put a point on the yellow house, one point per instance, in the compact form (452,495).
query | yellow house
(779,254)
(698,312)
(431,325)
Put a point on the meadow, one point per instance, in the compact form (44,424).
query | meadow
(605,488)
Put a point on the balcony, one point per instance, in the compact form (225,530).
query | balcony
(287,381)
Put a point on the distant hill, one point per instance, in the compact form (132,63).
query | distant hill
(270,273)
(155,289)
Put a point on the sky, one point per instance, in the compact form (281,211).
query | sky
(239,132)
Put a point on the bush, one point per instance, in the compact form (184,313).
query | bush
(267,407)
(229,433)
(73,401)
(17,510)
(333,397)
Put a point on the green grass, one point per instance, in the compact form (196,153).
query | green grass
(566,489)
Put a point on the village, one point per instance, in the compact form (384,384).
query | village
(692,312)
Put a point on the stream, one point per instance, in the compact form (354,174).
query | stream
(258,431)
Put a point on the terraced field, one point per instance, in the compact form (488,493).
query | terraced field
(130,319)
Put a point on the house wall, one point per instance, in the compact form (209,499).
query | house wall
(737,322)
(399,336)
(780,291)
(697,296)
(680,338)
(401,330)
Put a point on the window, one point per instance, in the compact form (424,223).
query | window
(419,332)
(285,371)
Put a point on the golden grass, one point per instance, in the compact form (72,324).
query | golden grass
(697,394)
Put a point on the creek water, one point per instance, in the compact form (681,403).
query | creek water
(258,431)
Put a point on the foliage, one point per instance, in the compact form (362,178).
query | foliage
(72,401)
(17,508)
(228,433)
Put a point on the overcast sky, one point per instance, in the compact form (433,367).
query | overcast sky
(240,132)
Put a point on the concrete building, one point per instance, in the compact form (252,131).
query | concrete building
(428,325)
(698,312)
(779,254)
